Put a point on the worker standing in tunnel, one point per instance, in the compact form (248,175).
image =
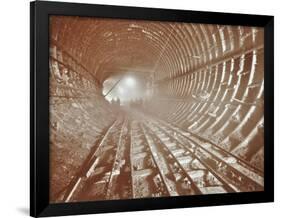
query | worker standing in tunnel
(118,102)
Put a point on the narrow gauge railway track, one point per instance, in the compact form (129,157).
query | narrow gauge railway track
(185,162)
(139,157)
(99,170)
(239,177)
(239,164)
(219,150)
(147,179)
(120,180)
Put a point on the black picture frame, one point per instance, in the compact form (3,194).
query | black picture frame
(39,107)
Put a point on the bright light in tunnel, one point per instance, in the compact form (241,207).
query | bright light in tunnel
(126,88)
(129,81)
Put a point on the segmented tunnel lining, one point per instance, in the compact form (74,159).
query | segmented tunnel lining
(205,80)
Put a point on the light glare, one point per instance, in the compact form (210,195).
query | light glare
(130,81)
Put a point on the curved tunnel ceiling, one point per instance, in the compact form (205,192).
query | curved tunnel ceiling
(107,46)
(205,80)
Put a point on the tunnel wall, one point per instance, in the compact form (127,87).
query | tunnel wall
(78,116)
(222,100)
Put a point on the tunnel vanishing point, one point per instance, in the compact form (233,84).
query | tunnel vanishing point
(188,121)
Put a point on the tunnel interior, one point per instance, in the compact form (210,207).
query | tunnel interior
(151,109)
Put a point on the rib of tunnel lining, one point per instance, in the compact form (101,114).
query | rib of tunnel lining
(198,131)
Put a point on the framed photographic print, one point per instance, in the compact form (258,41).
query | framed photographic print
(140,108)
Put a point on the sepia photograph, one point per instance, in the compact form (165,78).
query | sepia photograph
(149,109)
